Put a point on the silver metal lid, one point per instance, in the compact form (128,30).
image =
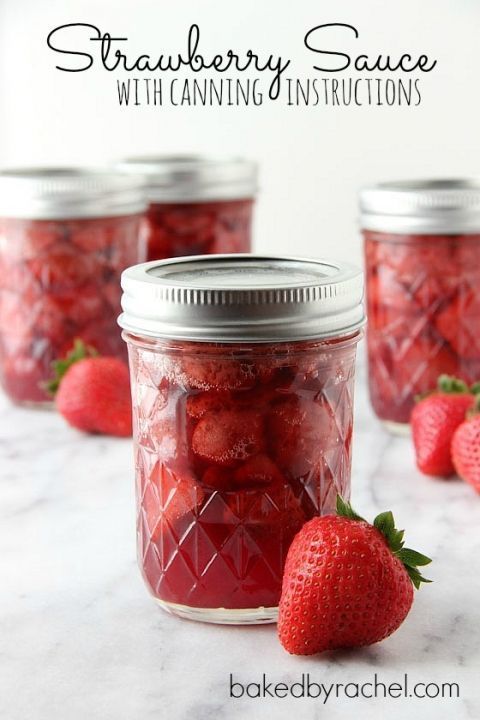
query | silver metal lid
(422,206)
(193,178)
(242,298)
(55,193)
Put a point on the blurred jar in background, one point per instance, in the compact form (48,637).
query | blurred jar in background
(422,253)
(198,205)
(65,237)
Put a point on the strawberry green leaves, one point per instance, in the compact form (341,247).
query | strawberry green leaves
(80,351)
(385,523)
(450,384)
(345,510)
(411,559)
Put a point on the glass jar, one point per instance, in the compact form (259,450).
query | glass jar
(65,237)
(242,373)
(422,254)
(198,205)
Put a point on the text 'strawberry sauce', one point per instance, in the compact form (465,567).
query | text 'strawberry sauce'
(239,440)
(198,205)
(60,264)
(422,255)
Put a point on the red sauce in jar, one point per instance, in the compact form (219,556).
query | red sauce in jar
(236,449)
(178,229)
(423,300)
(59,280)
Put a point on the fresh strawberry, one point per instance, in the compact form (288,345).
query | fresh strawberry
(93,393)
(466,451)
(434,420)
(346,583)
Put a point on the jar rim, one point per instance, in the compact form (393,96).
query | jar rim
(292,347)
(422,206)
(193,178)
(53,193)
(242,298)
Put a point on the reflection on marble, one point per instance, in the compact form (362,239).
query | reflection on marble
(81,639)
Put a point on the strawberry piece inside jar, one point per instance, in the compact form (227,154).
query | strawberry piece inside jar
(199,228)
(242,371)
(423,309)
(250,464)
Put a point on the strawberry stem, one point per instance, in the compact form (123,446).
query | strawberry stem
(79,351)
(345,510)
(475,409)
(451,384)
(385,523)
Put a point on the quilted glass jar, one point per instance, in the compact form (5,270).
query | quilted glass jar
(422,255)
(242,373)
(198,205)
(65,237)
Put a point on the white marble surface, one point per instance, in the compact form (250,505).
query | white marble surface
(81,639)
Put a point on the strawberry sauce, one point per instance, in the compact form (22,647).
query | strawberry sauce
(197,228)
(423,294)
(59,280)
(236,446)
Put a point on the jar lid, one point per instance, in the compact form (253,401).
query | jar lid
(422,206)
(56,193)
(242,298)
(193,178)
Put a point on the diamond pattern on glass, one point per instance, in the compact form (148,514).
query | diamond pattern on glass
(423,297)
(214,527)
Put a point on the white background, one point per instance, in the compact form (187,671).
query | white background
(313,159)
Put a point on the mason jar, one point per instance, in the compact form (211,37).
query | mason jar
(242,372)
(65,237)
(422,255)
(198,205)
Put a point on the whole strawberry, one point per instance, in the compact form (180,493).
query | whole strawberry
(346,583)
(434,420)
(92,392)
(466,451)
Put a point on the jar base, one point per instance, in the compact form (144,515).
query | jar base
(396,428)
(222,616)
